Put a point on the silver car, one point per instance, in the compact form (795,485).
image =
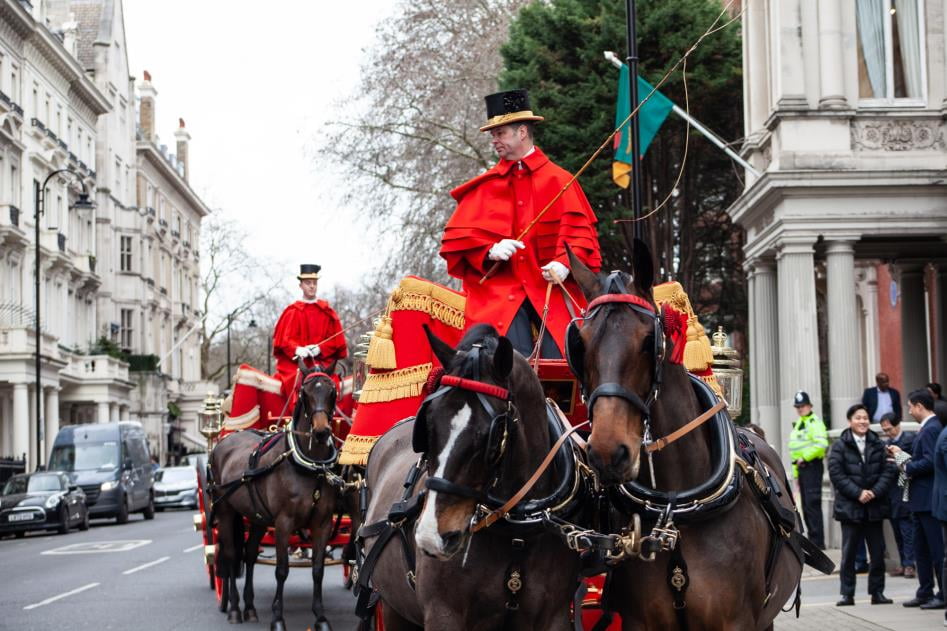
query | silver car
(176,487)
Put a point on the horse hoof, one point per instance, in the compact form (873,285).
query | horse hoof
(277,625)
(249,615)
(322,625)
(234,617)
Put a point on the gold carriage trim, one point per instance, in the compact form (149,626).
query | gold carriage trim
(414,294)
(697,353)
(235,423)
(394,385)
(356,449)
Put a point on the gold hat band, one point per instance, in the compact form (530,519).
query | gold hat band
(511,117)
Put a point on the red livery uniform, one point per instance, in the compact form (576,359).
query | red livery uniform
(301,324)
(500,204)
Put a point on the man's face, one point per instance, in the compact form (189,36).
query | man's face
(890,430)
(804,409)
(309,288)
(917,411)
(511,142)
(882,380)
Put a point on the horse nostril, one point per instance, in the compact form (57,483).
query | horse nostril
(620,457)
(451,541)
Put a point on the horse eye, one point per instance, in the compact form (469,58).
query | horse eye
(647,346)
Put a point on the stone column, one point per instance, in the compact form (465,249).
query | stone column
(751,341)
(6,424)
(831,72)
(123,413)
(844,345)
(21,420)
(798,329)
(52,417)
(102,412)
(113,412)
(787,62)
(755,70)
(872,362)
(766,352)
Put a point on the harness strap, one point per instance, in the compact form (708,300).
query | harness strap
(678,581)
(664,441)
(492,516)
(617,390)
(514,576)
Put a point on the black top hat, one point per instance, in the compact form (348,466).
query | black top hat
(508,107)
(308,271)
(802,398)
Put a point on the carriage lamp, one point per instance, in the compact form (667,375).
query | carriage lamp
(210,419)
(360,369)
(727,369)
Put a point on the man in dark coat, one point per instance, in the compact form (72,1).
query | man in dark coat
(862,477)
(902,522)
(939,496)
(928,541)
(882,399)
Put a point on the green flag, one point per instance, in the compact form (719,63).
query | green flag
(650,118)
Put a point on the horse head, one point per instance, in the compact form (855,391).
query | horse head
(316,402)
(464,427)
(617,356)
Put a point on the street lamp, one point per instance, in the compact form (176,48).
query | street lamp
(229,320)
(39,206)
(269,343)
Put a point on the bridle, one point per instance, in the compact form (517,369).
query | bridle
(616,293)
(502,423)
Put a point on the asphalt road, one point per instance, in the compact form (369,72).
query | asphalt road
(141,575)
(150,575)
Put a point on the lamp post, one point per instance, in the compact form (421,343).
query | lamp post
(254,325)
(39,207)
(229,320)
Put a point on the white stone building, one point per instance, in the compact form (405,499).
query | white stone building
(125,272)
(844,108)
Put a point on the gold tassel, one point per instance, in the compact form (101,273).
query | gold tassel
(697,353)
(381,348)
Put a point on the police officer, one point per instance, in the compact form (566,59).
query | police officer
(807,444)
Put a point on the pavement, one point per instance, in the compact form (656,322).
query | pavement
(150,575)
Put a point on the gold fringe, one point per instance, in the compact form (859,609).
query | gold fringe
(381,347)
(356,449)
(394,385)
(414,294)
(697,353)
(711,380)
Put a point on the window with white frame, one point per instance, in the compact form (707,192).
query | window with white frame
(127,328)
(125,253)
(891,56)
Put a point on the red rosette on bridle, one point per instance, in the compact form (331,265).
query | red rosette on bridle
(675,330)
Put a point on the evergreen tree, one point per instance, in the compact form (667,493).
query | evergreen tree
(555,50)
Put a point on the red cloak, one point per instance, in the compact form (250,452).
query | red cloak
(499,204)
(302,324)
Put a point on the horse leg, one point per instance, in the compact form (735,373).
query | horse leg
(223,563)
(236,546)
(394,622)
(283,528)
(319,532)
(250,553)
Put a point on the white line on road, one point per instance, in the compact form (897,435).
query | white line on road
(146,565)
(55,598)
(193,548)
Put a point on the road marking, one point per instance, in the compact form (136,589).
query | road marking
(193,548)
(95,547)
(60,596)
(146,565)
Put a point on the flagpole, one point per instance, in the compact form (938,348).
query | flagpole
(632,61)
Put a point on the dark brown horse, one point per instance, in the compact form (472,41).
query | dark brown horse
(484,431)
(634,393)
(292,488)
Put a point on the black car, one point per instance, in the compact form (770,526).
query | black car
(42,501)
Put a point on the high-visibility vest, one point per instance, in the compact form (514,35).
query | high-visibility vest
(808,440)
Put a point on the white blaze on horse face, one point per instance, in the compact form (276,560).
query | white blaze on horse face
(426,535)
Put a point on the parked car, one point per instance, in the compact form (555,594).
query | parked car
(176,487)
(42,501)
(110,462)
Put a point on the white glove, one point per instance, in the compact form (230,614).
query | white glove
(503,250)
(314,350)
(302,352)
(560,270)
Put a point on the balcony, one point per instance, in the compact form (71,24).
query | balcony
(97,367)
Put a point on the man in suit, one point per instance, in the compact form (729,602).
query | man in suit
(882,399)
(940,405)
(928,540)
(902,522)
(939,496)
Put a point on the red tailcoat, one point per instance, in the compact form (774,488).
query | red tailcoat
(302,324)
(499,204)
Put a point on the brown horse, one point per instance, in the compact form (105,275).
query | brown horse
(483,431)
(291,487)
(635,394)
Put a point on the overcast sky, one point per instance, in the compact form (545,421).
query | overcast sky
(254,82)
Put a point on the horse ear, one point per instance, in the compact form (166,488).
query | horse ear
(503,358)
(302,366)
(442,350)
(332,367)
(642,267)
(587,279)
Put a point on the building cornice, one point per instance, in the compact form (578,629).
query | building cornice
(150,152)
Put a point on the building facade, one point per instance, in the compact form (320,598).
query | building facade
(118,283)
(844,107)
